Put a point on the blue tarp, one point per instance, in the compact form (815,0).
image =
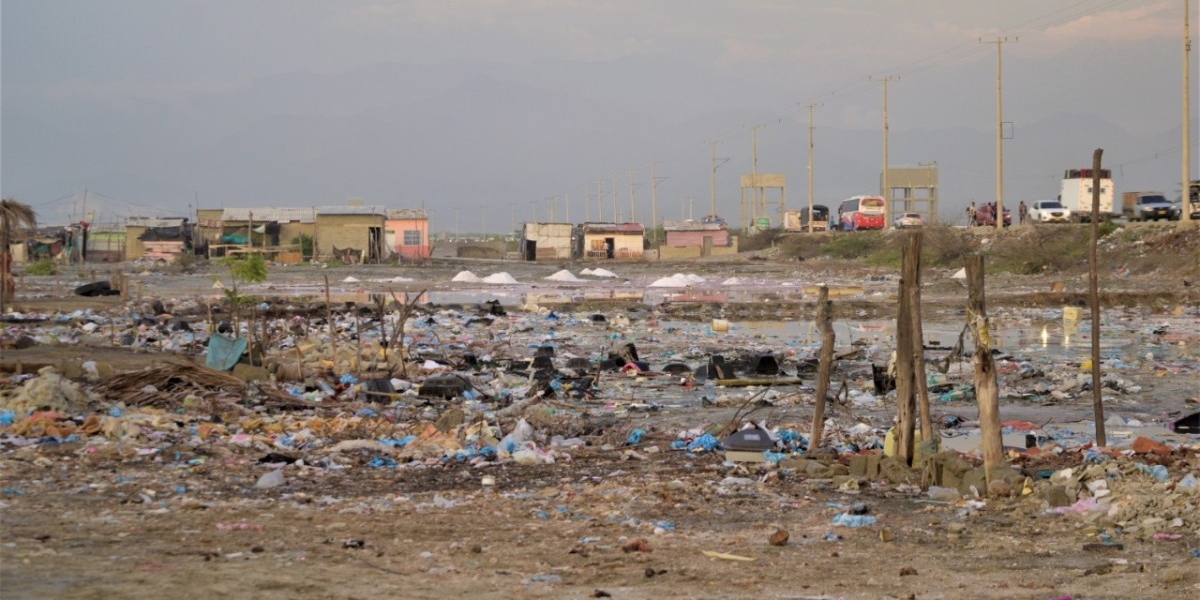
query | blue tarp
(224,351)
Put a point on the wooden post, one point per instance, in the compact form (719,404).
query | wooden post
(824,365)
(905,394)
(987,392)
(1094,298)
(329,317)
(918,338)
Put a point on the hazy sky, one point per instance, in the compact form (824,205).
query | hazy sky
(113,95)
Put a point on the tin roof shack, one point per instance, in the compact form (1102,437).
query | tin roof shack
(407,233)
(693,239)
(547,241)
(350,234)
(276,232)
(617,241)
(157,238)
(106,242)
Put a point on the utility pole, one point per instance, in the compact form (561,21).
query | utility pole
(810,167)
(654,201)
(599,200)
(755,209)
(614,190)
(567,206)
(998,214)
(632,213)
(713,184)
(887,192)
(1185,220)
(512,216)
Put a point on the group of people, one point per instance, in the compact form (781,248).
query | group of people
(1022,213)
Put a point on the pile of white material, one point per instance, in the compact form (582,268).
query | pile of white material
(563,275)
(674,281)
(350,279)
(466,277)
(47,390)
(501,277)
(601,272)
(732,281)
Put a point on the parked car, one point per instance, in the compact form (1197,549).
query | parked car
(984,216)
(1049,211)
(909,220)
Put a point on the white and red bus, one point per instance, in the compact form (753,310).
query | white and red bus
(861,212)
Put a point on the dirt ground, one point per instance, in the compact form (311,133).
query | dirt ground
(177,505)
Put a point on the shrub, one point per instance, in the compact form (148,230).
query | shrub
(42,267)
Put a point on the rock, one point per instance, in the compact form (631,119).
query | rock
(779,538)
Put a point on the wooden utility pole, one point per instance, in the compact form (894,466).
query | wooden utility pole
(987,392)
(824,365)
(1185,202)
(998,214)
(654,201)
(632,209)
(810,167)
(1094,298)
(883,179)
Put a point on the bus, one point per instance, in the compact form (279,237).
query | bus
(861,212)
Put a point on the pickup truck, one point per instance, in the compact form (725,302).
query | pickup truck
(1144,206)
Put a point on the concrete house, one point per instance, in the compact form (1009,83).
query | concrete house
(693,239)
(547,241)
(406,233)
(611,241)
(351,234)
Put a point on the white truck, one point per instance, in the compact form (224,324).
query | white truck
(1077,193)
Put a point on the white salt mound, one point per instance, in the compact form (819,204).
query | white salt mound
(674,281)
(732,281)
(563,275)
(466,277)
(501,277)
(350,279)
(691,277)
(602,272)
(961,274)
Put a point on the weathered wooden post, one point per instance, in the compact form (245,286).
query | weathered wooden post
(1094,298)
(912,270)
(905,386)
(987,392)
(824,365)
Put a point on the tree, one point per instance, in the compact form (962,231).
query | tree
(13,216)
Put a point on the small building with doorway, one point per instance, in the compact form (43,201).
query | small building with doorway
(157,238)
(406,233)
(693,239)
(547,241)
(611,241)
(351,234)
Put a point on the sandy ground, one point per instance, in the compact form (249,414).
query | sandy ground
(167,513)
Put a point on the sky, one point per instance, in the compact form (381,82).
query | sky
(491,112)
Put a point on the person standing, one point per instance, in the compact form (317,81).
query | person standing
(1023,212)
(971,215)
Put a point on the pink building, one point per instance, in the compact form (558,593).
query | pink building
(407,233)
